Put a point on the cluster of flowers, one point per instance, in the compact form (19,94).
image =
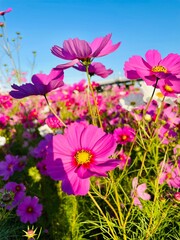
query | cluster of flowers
(74,151)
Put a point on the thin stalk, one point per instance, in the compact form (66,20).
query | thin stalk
(52,110)
(104,216)
(93,95)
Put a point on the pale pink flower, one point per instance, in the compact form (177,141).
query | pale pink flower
(138,191)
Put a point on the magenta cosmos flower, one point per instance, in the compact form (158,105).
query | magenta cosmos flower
(153,67)
(41,84)
(138,191)
(124,135)
(29,210)
(77,50)
(2,13)
(83,151)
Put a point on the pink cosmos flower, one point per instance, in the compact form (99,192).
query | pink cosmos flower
(124,135)
(170,174)
(2,13)
(83,151)
(153,67)
(8,167)
(78,50)
(124,160)
(19,193)
(166,133)
(41,84)
(138,191)
(29,210)
(95,68)
(53,122)
(168,87)
(6,101)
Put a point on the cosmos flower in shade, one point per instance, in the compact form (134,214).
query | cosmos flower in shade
(153,67)
(138,191)
(42,167)
(170,175)
(83,151)
(95,68)
(41,84)
(2,13)
(77,50)
(124,135)
(166,133)
(8,167)
(19,193)
(29,210)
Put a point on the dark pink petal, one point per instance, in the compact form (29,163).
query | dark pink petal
(90,136)
(57,171)
(153,57)
(77,48)
(75,185)
(67,65)
(58,52)
(172,63)
(104,147)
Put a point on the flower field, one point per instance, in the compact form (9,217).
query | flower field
(91,161)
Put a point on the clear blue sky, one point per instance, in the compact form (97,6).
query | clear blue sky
(139,24)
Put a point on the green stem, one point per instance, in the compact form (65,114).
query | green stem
(52,110)
(93,95)
(104,216)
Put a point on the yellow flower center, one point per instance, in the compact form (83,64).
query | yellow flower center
(123,137)
(159,69)
(168,175)
(159,95)
(83,156)
(168,88)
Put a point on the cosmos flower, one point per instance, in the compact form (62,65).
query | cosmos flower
(8,167)
(83,151)
(2,13)
(124,135)
(41,84)
(78,50)
(95,68)
(132,101)
(138,191)
(170,174)
(153,67)
(29,210)
(19,193)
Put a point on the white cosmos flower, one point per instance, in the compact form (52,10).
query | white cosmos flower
(158,96)
(44,130)
(2,141)
(133,100)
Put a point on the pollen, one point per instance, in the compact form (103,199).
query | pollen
(83,156)
(159,95)
(168,88)
(159,69)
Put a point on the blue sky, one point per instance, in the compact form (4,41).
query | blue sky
(139,24)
